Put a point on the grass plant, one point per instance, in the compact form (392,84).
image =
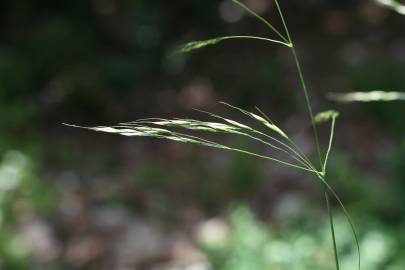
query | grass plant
(274,137)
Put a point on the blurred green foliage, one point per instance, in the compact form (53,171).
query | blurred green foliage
(251,244)
(22,195)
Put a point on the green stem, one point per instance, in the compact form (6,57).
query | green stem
(293,151)
(258,38)
(293,154)
(303,84)
(308,102)
(332,131)
(314,129)
(332,229)
(221,146)
(261,19)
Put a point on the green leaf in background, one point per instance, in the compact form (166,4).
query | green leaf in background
(367,96)
(394,5)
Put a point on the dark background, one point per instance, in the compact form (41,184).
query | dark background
(75,199)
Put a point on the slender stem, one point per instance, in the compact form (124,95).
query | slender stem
(332,131)
(332,229)
(300,151)
(270,158)
(261,19)
(303,84)
(308,102)
(258,38)
(294,152)
(346,213)
(311,115)
(221,146)
(293,144)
